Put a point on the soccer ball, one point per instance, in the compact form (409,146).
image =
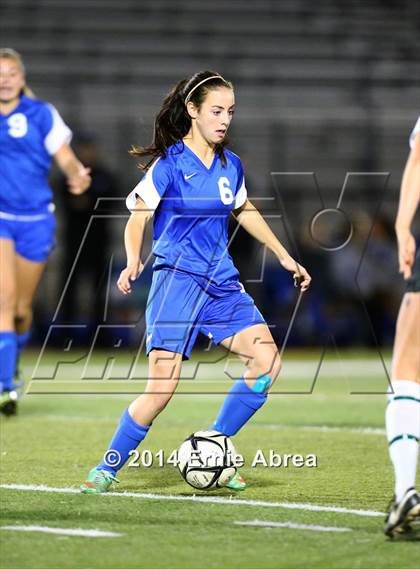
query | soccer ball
(205,460)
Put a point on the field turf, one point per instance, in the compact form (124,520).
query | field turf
(57,438)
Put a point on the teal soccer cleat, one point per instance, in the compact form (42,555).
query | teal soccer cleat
(236,483)
(97,482)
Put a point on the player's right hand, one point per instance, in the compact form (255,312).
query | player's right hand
(128,275)
(79,183)
(406,252)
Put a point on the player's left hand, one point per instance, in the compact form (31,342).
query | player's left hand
(301,277)
(80,182)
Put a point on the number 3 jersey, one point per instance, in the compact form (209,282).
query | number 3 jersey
(29,136)
(192,206)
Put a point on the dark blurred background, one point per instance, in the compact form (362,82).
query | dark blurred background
(324,88)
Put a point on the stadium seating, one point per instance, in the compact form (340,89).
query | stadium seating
(312,65)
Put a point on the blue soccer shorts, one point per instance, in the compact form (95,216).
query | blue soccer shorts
(179,308)
(33,235)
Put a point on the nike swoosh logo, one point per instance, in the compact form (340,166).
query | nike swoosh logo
(189,176)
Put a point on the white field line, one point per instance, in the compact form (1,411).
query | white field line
(202,499)
(327,429)
(272,426)
(64,531)
(291,525)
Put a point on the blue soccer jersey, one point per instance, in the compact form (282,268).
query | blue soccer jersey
(29,136)
(192,205)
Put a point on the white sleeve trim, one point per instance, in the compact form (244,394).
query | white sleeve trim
(59,134)
(241,196)
(146,190)
(415,132)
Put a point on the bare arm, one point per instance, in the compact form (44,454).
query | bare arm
(77,175)
(409,201)
(133,240)
(253,222)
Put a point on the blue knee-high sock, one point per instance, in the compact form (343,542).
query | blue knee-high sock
(8,349)
(238,407)
(127,437)
(22,340)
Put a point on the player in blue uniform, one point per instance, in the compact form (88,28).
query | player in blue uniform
(192,186)
(402,417)
(31,134)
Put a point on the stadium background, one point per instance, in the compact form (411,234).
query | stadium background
(329,87)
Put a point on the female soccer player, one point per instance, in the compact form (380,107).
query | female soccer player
(193,184)
(31,133)
(403,411)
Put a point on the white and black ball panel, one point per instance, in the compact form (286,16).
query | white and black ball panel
(230,447)
(204,459)
(213,436)
(201,479)
(225,476)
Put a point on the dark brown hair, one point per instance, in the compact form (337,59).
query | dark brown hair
(173,122)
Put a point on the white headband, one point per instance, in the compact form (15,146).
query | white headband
(187,98)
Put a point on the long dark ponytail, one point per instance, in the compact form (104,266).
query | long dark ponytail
(173,122)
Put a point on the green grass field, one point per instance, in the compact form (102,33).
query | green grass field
(56,439)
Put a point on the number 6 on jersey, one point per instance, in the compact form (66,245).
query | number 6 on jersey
(225,192)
